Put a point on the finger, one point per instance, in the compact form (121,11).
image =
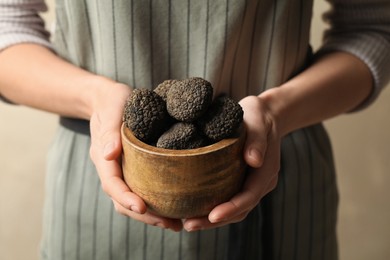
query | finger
(244,201)
(106,137)
(110,174)
(150,219)
(113,147)
(257,184)
(256,130)
(191,225)
(119,192)
(237,216)
(255,146)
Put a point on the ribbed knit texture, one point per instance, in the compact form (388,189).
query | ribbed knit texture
(20,23)
(362,28)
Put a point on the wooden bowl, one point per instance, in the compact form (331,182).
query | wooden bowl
(183,183)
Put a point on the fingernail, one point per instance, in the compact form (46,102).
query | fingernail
(135,209)
(217,219)
(160,225)
(108,148)
(256,155)
(253,152)
(192,228)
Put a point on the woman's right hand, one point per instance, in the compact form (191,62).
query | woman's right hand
(106,148)
(34,76)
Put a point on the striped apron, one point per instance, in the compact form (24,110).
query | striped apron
(243,48)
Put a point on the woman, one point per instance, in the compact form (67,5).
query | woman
(255,51)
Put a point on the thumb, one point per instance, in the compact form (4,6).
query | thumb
(255,147)
(112,148)
(256,132)
(107,137)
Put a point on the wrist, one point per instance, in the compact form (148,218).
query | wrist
(94,88)
(276,107)
(332,85)
(104,95)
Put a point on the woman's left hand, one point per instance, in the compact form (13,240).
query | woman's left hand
(106,150)
(262,154)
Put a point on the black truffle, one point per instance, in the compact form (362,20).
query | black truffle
(181,136)
(188,99)
(162,88)
(222,119)
(145,115)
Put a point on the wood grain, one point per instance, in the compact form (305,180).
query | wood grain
(183,183)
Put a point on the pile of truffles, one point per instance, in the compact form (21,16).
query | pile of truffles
(181,114)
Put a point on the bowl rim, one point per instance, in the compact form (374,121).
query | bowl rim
(130,139)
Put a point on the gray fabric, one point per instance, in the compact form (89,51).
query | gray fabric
(296,221)
(76,125)
(360,27)
(81,223)
(20,23)
(130,41)
(242,48)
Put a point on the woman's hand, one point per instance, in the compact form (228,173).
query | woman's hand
(334,83)
(262,154)
(106,148)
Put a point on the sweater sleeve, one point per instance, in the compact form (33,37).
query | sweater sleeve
(362,28)
(20,23)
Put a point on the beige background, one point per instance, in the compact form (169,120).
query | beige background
(361,144)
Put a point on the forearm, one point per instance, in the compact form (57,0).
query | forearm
(334,84)
(32,75)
